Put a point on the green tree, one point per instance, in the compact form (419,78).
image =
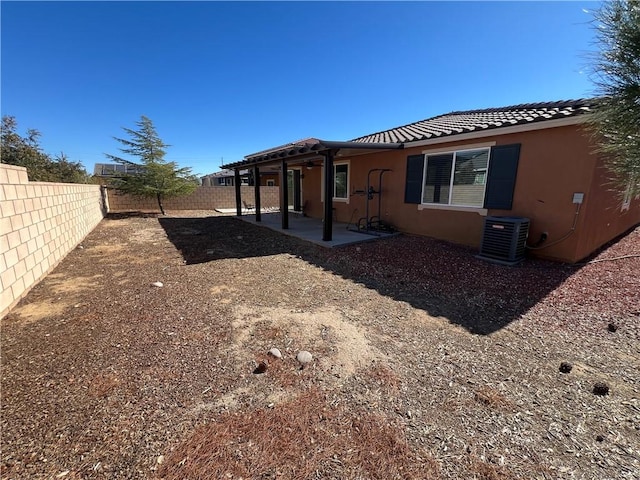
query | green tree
(616,68)
(69,171)
(155,177)
(26,152)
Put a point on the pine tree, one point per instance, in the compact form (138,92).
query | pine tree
(616,121)
(154,177)
(25,151)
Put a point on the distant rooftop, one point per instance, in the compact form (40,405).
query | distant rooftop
(113,169)
(221,173)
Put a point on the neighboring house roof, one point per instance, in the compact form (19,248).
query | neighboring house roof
(456,123)
(221,174)
(113,169)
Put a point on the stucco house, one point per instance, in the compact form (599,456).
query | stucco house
(443,176)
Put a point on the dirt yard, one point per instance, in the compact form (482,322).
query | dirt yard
(427,363)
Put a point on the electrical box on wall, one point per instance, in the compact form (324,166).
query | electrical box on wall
(578,197)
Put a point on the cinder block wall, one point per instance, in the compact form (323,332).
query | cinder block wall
(40,223)
(204,198)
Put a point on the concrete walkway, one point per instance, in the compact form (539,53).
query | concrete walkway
(310,229)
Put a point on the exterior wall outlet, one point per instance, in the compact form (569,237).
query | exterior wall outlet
(578,197)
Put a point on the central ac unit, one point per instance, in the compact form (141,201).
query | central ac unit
(504,239)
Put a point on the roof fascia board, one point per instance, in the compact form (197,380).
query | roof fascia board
(494,132)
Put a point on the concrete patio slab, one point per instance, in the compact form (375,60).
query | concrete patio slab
(246,211)
(310,229)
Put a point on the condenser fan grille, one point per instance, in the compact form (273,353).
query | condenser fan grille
(504,239)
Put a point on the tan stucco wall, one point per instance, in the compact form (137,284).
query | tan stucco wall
(40,223)
(265,177)
(554,164)
(204,198)
(607,218)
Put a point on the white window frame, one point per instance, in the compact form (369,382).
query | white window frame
(271,183)
(334,198)
(449,205)
(346,197)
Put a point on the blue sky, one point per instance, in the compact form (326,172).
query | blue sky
(223,80)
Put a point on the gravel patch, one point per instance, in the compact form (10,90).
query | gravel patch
(443,365)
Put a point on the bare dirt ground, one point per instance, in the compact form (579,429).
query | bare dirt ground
(428,363)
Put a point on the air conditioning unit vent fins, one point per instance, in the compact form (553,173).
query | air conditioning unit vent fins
(504,239)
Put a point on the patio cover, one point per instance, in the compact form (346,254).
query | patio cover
(296,153)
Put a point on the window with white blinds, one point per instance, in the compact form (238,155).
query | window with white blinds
(456,178)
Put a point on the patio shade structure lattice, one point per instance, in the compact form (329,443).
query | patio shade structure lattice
(300,153)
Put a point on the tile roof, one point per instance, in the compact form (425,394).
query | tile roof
(441,126)
(456,123)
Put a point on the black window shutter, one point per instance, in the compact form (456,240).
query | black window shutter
(501,178)
(413,185)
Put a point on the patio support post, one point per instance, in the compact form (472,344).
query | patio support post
(327,221)
(236,184)
(256,186)
(284,195)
